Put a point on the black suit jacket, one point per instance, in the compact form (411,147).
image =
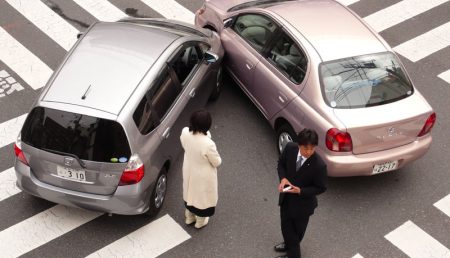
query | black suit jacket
(311,178)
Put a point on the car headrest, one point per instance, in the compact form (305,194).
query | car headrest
(293,51)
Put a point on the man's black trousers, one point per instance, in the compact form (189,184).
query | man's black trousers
(293,230)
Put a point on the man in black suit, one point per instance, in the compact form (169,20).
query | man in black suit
(303,175)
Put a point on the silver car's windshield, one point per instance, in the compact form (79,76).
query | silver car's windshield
(364,81)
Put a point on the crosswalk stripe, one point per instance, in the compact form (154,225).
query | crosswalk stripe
(400,12)
(47,21)
(347,2)
(101,9)
(10,129)
(151,240)
(416,243)
(445,76)
(30,68)
(425,44)
(171,10)
(444,205)
(42,228)
(8,186)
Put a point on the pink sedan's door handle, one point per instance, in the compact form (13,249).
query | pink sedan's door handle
(248,66)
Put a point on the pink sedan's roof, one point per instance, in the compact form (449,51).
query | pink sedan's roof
(333,30)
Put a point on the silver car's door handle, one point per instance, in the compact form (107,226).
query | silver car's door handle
(192,93)
(248,66)
(166,133)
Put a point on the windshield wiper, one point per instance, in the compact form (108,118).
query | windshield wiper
(67,154)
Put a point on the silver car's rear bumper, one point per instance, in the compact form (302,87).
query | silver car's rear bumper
(362,164)
(126,200)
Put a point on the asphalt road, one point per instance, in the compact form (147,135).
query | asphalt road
(354,214)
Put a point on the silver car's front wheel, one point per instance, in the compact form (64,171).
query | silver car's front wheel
(218,87)
(285,134)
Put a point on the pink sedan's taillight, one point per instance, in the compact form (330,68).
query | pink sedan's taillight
(428,125)
(339,141)
(134,172)
(18,151)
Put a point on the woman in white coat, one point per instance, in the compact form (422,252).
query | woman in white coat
(201,159)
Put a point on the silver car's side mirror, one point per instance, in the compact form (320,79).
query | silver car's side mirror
(210,57)
(228,22)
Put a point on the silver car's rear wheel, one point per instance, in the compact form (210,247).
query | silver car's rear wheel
(158,193)
(285,134)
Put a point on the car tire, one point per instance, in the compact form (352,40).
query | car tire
(158,194)
(285,134)
(218,87)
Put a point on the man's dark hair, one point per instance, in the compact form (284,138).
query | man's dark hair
(200,122)
(307,137)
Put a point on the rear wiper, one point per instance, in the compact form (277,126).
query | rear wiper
(67,154)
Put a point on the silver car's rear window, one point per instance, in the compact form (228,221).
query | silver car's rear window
(87,137)
(364,81)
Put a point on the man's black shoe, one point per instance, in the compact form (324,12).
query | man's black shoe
(281,247)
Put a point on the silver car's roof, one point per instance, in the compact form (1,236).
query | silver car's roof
(107,65)
(331,28)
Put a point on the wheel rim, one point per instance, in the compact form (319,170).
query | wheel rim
(219,79)
(160,190)
(283,139)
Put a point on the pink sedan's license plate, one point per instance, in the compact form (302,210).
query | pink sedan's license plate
(388,166)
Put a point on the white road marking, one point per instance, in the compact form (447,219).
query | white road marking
(171,10)
(444,205)
(416,243)
(425,44)
(30,68)
(357,256)
(347,2)
(400,12)
(150,241)
(445,76)
(8,84)
(101,9)
(47,21)
(10,129)
(8,186)
(42,228)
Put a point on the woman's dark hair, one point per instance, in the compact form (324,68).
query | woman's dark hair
(307,137)
(200,122)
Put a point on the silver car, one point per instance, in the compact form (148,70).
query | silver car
(105,130)
(316,64)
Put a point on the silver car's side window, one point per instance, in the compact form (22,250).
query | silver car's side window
(156,102)
(185,62)
(286,55)
(255,29)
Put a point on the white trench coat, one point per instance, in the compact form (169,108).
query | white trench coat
(200,163)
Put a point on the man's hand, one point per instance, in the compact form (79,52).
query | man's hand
(283,183)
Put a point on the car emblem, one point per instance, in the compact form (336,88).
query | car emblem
(68,161)
(391,131)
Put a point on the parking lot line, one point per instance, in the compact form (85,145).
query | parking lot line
(10,129)
(151,240)
(8,186)
(400,12)
(42,228)
(416,243)
(425,44)
(444,205)
(445,76)
(171,10)
(103,10)
(29,67)
(47,21)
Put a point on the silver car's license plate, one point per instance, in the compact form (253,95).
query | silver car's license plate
(70,173)
(388,166)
